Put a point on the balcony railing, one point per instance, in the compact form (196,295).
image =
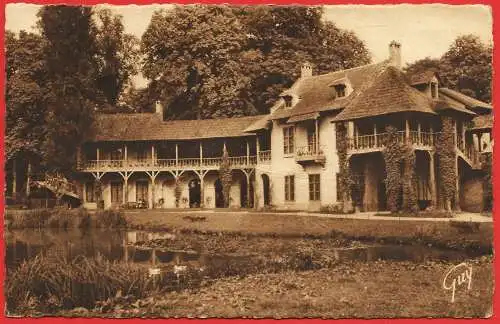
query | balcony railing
(166,164)
(376,142)
(265,156)
(310,153)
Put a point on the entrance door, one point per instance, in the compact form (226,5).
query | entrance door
(141,192)
(194,193)
(219,196)
(265,185)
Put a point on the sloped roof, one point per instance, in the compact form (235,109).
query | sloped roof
(316,93)
(150,126)
(421,77)
(466,100)
(262,123)
(482,122)
(447,103)
(387,93)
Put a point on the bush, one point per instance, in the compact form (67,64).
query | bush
(334,209)
(109,219)
(69,218)
(35,218)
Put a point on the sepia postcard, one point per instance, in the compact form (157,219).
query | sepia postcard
(248,161)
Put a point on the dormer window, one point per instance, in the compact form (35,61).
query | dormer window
(340,90)
(288,101)
(434,90)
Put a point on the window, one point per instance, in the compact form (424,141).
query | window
(90,192)
(288,101)
(314,184)
(434,90)
(288,140)
(290,188)
(116,155)
(340,90)
(116,192)
(142,155)
(311,139)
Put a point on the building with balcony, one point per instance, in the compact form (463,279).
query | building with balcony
(289,158)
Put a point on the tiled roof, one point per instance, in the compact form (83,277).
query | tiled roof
(483,122)
(316,93)
(421,77)
(466,100)
(262,123)
(150,126)
(447,103)
(387,93)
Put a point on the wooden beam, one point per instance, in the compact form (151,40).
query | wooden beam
(176,154)
(152,154)
(257,147)
(248,153)
(317,135)
(375,134)
(432,180)
(201,154)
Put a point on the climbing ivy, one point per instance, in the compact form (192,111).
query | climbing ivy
(487,182)
(345,173)
(445,148)
(400,179)
(225,175)
(98,194)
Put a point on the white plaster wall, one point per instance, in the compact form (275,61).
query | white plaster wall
(282,165)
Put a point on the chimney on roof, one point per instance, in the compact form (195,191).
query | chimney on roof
(395,54)
(159,108)
(306,70)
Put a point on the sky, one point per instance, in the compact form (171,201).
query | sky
(423,30)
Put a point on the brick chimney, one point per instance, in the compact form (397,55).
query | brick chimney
(395,54)
(159,108)
(306,70)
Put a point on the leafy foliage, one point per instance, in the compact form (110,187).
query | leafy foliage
(345,181)
(466,67)
(221,61)
(445,148)
(226,177)
(486,166)
(400,173)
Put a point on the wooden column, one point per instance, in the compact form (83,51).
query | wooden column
(125,152)
(350,134)
(457,183)
(125,190)
(248,189)
(257,147)
(375,134)
(176,154)
(432,135)
(480,145)
(455,131)
(201,154)
(317,136)
(97,154)
(152,154)
(248,153)
(463,136)
(407,130)
(432,180)
(202,189)
(419,132)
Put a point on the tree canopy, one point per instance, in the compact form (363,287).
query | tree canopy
(466,66)
(77,62)
(222,61)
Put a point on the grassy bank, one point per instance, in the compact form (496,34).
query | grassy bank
(350,290)
(63,218)
(452,235)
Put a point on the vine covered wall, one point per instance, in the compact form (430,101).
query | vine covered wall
(448,173)
(345,178)
(400,173)
(226,177)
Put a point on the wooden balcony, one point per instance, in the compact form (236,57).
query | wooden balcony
(469,154)
(247,161)
(310,154)
(377,142)
(265,157)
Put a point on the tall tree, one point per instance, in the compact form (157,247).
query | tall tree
(71,90)
(118,54)
(466,66)
(25,104)
(213,61)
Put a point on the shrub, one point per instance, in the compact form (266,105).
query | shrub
(69,218)
(35,218)
(334,209)
(109,219)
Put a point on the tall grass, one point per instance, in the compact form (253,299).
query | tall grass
(51,284)
(63,218)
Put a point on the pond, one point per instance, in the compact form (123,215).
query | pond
(127,246)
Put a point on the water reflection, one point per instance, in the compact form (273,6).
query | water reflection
(118,245)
